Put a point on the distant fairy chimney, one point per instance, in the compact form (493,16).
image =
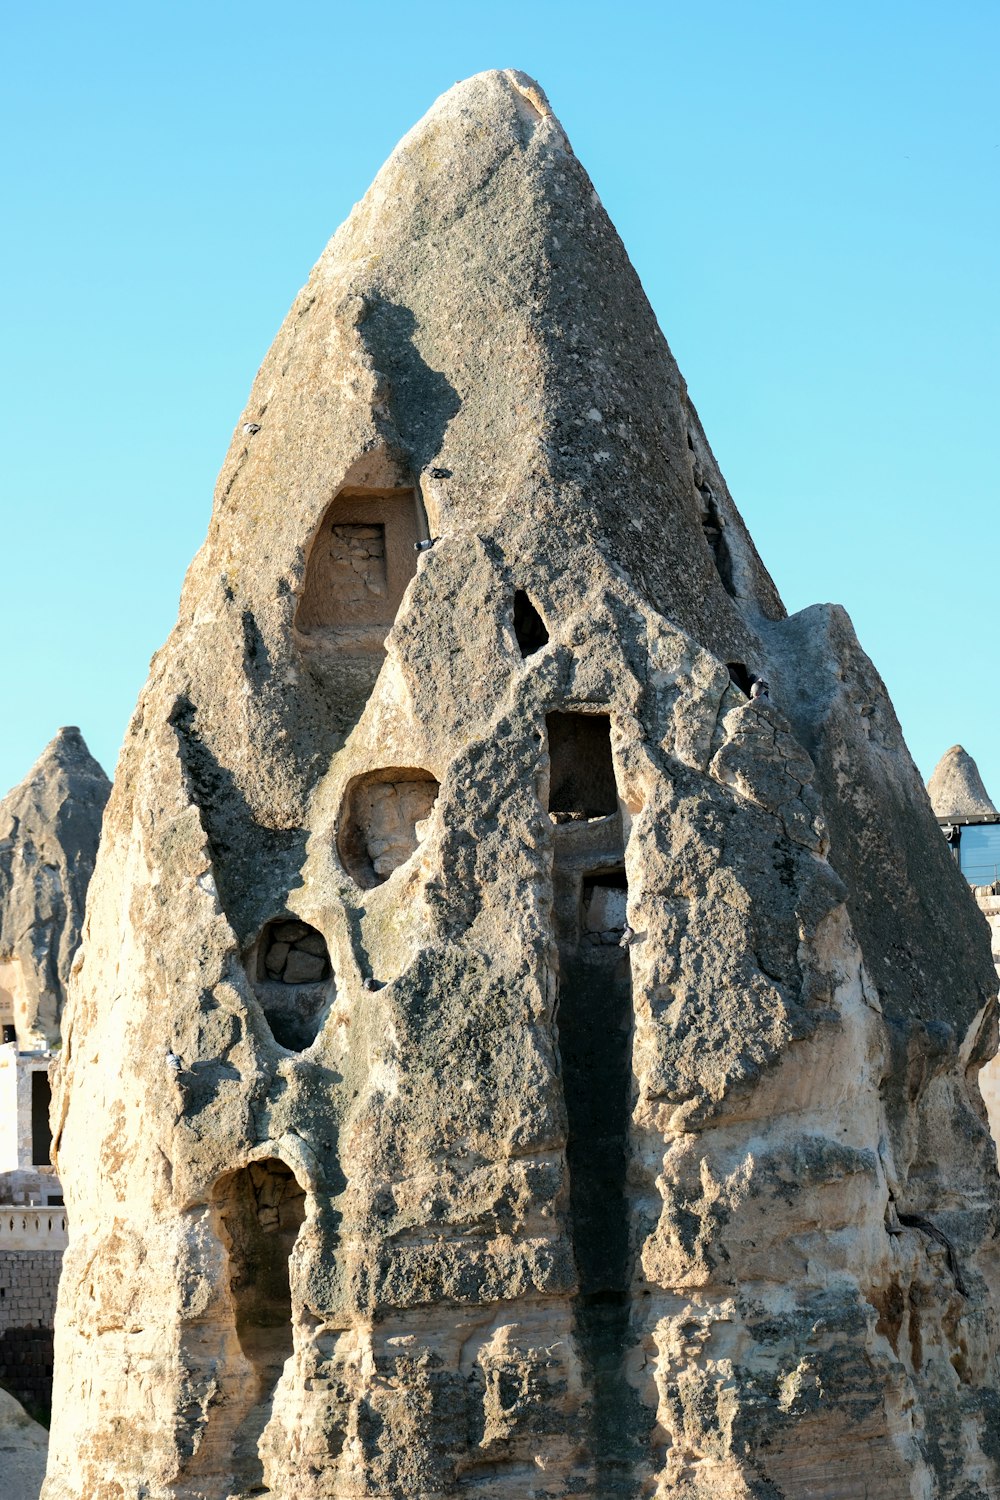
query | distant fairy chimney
(49,830)
(956,788)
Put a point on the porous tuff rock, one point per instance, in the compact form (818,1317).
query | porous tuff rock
(956,788)
(710,1214)
(50,826)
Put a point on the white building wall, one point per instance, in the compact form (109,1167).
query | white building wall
(989,1077)
(9,1124)
(16,1071)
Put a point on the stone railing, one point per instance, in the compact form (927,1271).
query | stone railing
(32,1228)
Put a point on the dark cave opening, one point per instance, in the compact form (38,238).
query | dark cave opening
(581,767)
(529,627)
(292,977)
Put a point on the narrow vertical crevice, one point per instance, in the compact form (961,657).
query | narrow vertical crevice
(715,536)
(595,1025)
(594,1037)
(712,522)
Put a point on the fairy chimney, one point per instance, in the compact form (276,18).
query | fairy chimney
(50,826)
(956,788)
(507,1059)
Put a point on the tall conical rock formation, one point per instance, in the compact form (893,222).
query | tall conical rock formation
(956,788)
(397,1164)
(50,826)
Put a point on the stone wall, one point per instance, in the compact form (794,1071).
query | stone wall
(29,1280)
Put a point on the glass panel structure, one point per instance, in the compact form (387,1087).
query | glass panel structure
(979,853)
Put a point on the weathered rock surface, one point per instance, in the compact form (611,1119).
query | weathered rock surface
(956,788)
(23,1448)
(705,1207)
(49,830)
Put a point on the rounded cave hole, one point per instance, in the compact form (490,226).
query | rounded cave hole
(384,820)
(292,977)
(529,627)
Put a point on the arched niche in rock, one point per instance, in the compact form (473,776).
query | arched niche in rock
(293,979)
(257,1212)
(359,561)
(383,820)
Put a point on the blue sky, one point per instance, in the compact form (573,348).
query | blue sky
(809,193)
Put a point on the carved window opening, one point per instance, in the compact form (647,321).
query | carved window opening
(529,627)
(384,819)
(260,1209)
(41,1135)
(360,562)
(581,767)
(293,981)
(739,676)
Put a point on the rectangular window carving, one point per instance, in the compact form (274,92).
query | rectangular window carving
(581,769)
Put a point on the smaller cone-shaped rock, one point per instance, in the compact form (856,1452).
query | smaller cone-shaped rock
(50,826)
(956,788)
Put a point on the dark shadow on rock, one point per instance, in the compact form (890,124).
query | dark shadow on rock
(255,867)
(421,401)
(256,659)
(201,1083)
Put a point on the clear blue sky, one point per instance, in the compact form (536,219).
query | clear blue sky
(808,191)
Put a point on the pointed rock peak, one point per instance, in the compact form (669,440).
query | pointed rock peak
(956,788)
(50,827)
(477,318)
(66,756)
